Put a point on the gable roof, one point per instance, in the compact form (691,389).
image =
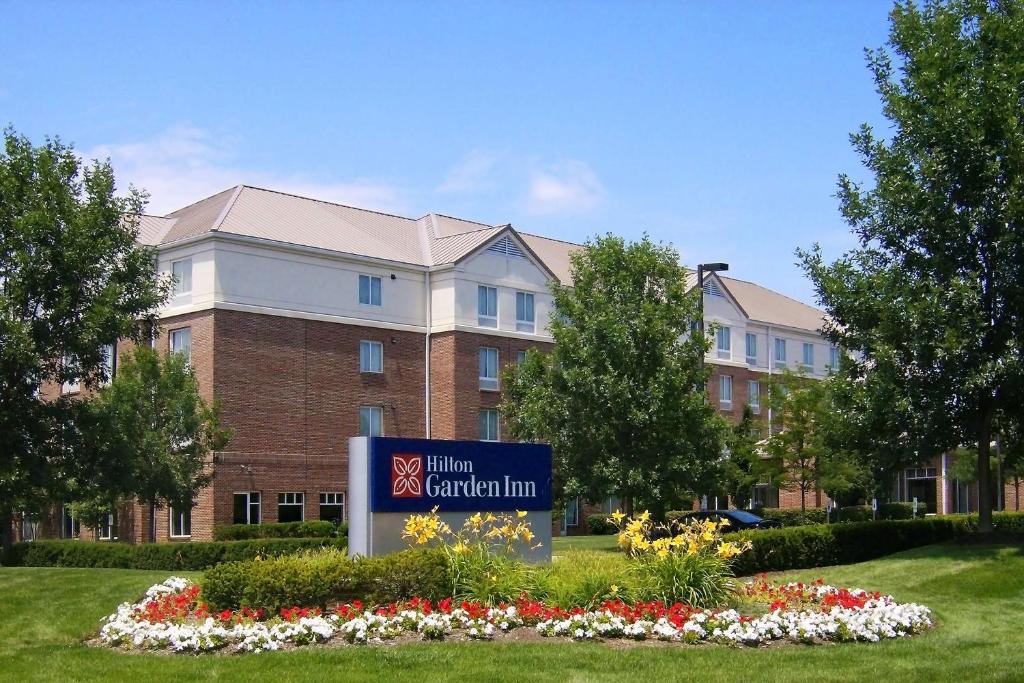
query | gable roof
(429,241)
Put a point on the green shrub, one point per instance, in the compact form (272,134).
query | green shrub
(583,578)
(600,525)
(163,556)
(322,577)
(792,516)
(310,529)
(675,515)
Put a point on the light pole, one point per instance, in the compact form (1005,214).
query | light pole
(701,269)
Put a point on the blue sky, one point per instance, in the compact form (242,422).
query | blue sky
(717,126)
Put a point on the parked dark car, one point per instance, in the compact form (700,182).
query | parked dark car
(738,519)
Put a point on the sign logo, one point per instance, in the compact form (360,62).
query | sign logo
(406,475)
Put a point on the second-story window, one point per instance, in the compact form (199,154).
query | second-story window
(725,391)
(833,357)
(181,271)
(487,306)
(488,368)
(808,357)
(751,348)
(524,312)
(780,351)
(371,356)
(369,290)
(754,395)
(181,342)
(724,337)
(371,421)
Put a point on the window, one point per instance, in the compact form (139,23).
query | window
(524,312)
(507,248)
(69,526)
(833,357)
(725,391)
(487,306)
(181,342)
(181,271)
(107,530)
(724,337)
(332,507)
(371,356)
(247,507)
(109,362)
(808,356)
(780,351)
(751,348)
(572,513)
(71,385)
(181,523)
(291,507)
(488,368)
(754,395)
(611,504)
(369,290)
(520,357)
(371,421)
(489,425)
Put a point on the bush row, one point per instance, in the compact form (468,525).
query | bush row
(600,525)
(821,545)
(311,529)
(167,556)
(326,576)
(852,513)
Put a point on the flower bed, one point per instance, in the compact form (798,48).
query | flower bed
(173,617)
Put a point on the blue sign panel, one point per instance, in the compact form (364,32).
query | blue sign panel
(414,475)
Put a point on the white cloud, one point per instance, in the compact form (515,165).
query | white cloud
(471,174)
(185,164)
(569,187)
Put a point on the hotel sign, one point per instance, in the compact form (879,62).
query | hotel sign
(415,475)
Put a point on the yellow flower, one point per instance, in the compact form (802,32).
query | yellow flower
(520,513)
(644,516)
(728,550)
(527,535)
(615,589)
(490,518)
(617,516)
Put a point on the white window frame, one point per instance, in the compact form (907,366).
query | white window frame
(526,318)
(487,381)
(334,499)
(292,499)
(249,503)
(808,364)
(484,315)
(780,344)
(373,413)
(574,506)
(751,345)
(76,526)
(183,278)
(490,415)
(70,386)
(179,516)
(366,356)
(370,280)
(110,529)
(723,341)
(174,342)
(725,389)
(520,356)
(109,362)
(754,395)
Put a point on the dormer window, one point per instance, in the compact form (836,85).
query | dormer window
(506,247)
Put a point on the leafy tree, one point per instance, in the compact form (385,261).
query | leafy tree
(622,397)
(158,433)
(72,279)
(932,296)
(747,464)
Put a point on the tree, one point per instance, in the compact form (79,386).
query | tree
(158,435)
(934,293)
(747,465)
(622,396)
(72,279)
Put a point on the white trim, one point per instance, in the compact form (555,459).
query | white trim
(304,315)
(170,520)
(491,332)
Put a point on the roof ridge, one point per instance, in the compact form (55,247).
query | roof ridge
(456,218)
(473,232)
(203,199)
(768,289)
(550,239)
(226,208)
(326,201)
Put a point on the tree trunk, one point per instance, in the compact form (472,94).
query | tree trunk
(984,475)
(6,532)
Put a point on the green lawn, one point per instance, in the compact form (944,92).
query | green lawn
(560,544)
(977,593)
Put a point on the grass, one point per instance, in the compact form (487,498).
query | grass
(560,544)
(977,593)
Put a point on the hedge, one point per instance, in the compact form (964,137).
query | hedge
(166,556)
(820,545)
(312,529)
(600,525)
(324,577)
